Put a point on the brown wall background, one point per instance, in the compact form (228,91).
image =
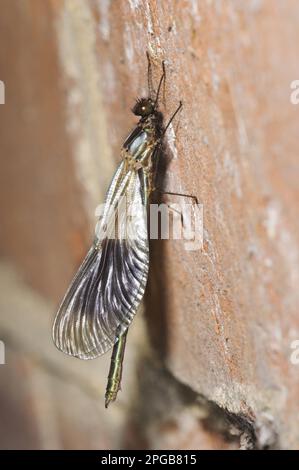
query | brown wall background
(221,320)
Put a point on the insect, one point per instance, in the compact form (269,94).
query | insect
(107,290)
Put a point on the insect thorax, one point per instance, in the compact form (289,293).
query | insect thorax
(145,137)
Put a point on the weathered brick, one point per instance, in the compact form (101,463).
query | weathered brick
(222,318)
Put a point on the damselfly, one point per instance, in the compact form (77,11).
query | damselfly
(106,292)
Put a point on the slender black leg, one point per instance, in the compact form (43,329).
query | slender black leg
(191,196)
(194,199)
(172,117)
(162,79)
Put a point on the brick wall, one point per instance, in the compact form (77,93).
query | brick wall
(219,321)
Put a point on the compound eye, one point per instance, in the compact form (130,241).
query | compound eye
(143,107)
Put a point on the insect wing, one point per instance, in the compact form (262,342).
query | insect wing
(107,290)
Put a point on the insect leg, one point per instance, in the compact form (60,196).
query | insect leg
(172,117)
(192,197)
(160,83)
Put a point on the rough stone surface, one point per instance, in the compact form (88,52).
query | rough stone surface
(222,318)
(49,400)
